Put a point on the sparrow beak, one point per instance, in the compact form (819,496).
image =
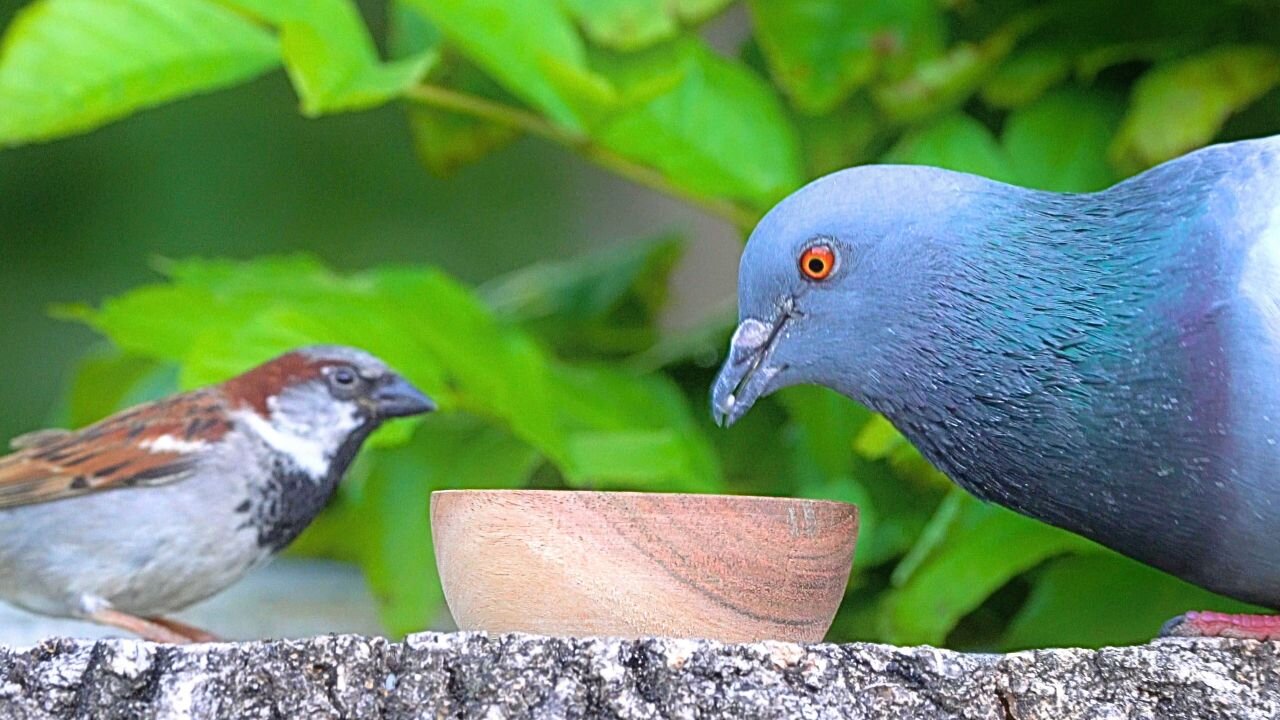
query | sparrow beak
(396,397)
(746,372)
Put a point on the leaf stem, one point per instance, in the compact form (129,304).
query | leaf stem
(520,119)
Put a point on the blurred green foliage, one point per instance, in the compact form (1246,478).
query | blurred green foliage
(558,375)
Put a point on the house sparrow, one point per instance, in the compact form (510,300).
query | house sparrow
(163,505)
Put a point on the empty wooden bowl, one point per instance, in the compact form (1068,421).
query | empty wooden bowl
(720,567)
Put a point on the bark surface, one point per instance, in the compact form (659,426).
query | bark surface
(470,675)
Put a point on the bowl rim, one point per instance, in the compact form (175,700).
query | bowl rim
(752,499)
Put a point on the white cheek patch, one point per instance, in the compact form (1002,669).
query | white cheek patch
(311,445)
(171,444)
(306,453)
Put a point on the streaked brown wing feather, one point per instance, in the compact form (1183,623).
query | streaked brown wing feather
(147,445)
(37,438)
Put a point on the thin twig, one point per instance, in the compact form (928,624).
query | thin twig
(446,99)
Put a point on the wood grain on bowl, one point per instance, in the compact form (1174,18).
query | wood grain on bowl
(728,568)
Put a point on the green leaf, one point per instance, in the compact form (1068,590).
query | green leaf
(1060,142)
(893,507)
(818,437)
(907,462)
(977,549)
(394,512)
(747,469)
(1026,75)
(841,138)
(447,141)
(955,142)
(603,303)
(500,373)
(932,535)
(623,24)
(1099,34)
(67,66)
(820,51)
(444,140)
(630,25)
(631,432)
(717,131)
(697,11)
(107,382)
(219,318)
(1201,92)
(517,43)
(877,439)
(1101,598)
(903,504)
(830,422)
(1092,62)
(944,83)
(410,32)
(700,345)
(330,57)
(211,297)
(639,458)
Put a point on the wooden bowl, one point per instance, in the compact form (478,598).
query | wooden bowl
(721,567)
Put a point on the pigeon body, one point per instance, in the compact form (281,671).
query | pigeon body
(1106,362)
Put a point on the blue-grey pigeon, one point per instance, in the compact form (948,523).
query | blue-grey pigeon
(1106,362)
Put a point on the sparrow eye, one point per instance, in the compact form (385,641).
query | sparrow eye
(817,262)
(344,377)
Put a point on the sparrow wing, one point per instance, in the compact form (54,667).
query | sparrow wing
(150,444)
(37,438)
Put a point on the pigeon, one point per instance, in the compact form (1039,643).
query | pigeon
(1106,362)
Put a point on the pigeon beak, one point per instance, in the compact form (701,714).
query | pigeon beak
(396,397)
(746,372)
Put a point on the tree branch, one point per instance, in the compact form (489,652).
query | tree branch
(520,119)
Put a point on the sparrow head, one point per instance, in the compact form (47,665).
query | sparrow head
(318,403)
(311,408)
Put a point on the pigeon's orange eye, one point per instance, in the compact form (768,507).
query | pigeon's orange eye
(817,262)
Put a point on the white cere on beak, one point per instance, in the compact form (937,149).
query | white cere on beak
(750,336)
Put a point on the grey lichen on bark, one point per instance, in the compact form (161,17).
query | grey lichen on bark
(478,676)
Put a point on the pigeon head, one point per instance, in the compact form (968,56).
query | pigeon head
(836,282)
(1103,361)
